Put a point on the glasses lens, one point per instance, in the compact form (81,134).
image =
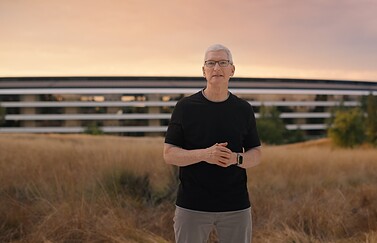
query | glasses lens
(222,63)
(210,63)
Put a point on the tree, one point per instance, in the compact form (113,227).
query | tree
(2,115)
(271,128)
(371,119)
(295,136)
(347,129)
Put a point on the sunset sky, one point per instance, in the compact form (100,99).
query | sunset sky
(325,39)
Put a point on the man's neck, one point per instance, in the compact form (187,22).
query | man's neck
(216,94)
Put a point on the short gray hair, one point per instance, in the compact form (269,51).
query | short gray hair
(219,47)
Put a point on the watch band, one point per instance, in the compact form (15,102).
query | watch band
(239,159)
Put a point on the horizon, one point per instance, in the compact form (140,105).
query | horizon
(178,76)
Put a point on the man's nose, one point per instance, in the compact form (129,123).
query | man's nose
(217,66)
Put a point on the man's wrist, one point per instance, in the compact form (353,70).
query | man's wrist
(239,159)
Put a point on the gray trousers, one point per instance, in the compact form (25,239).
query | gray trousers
(195,226)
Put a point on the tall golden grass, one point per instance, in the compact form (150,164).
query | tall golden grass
(313,192)
(81,188)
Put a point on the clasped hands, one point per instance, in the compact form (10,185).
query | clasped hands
(220,155)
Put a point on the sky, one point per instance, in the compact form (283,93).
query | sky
(314,39)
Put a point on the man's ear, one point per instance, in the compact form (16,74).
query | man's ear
(233,70)
(204,73)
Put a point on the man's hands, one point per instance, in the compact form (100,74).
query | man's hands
(220,155)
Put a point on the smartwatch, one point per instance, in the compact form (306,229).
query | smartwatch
(239,159)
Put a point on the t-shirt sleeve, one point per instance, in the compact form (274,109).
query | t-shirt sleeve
(251,140)
(174,134)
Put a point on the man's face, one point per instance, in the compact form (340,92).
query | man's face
(217,74)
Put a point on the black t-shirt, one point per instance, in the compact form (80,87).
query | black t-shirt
(198,123)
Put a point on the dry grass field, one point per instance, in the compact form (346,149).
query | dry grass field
(81,188)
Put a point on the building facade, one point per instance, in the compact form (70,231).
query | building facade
(143,105)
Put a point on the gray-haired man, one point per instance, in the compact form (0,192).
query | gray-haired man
(212,137)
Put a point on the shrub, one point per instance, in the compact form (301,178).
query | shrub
(93,129)
(347,129)
(138,187)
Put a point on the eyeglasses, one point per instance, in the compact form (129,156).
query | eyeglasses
(222,63)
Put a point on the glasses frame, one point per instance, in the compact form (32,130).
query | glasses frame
(217,62)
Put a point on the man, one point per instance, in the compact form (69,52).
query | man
(212,137)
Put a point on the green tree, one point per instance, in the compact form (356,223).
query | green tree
(2,115)
(371,119)
(347,129)
(271,128)
(295,136)
(93,129)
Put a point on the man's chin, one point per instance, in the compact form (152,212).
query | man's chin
(219,81)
